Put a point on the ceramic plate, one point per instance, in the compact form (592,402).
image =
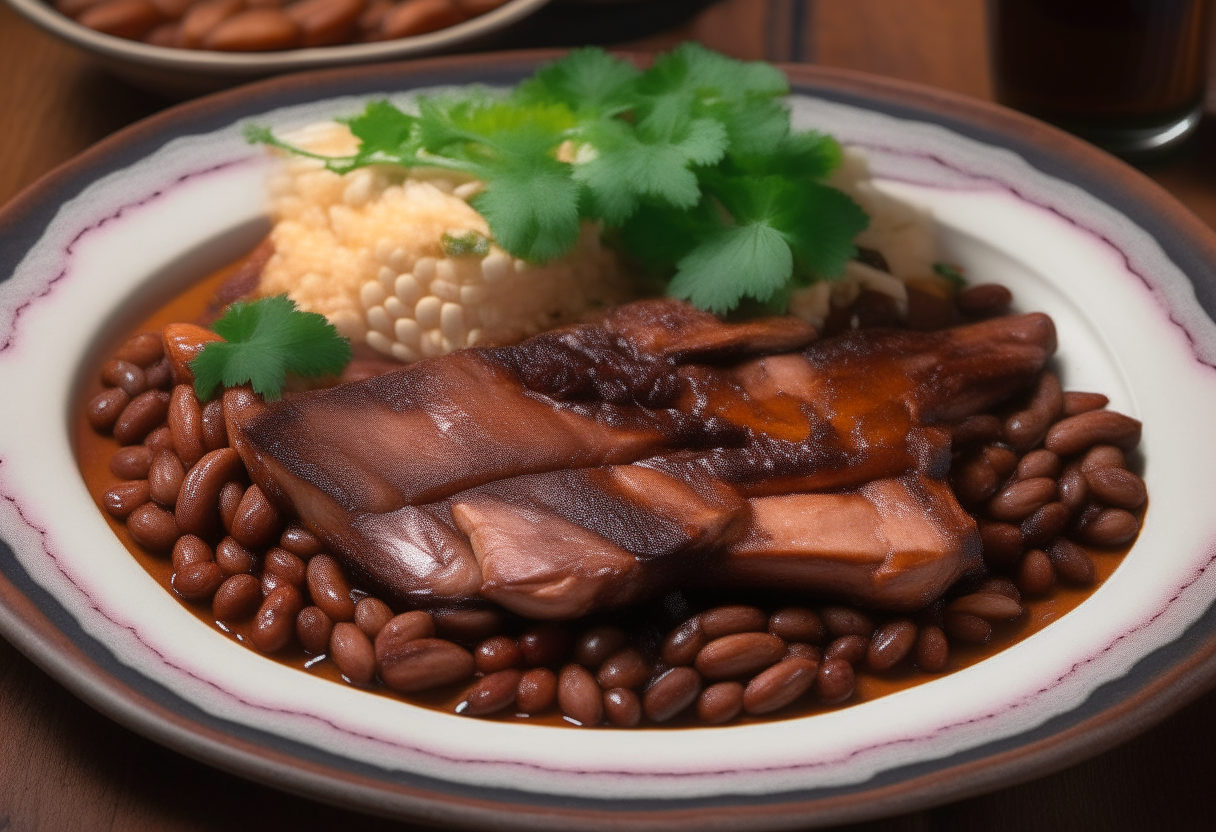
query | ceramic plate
(1115,260)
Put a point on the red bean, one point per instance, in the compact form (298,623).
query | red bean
(966,627)
(834,681)
(215,432)
(158,375)
(1026,428)
(405,627)
(932,649)
(371,615)
(186,424)
(1036,575)
(326,22)
(625,668)
(622,707)
(1097,427)
(131,463)
(197,581)
(313,629)
(198,502)
(1074,490)
(190,549)
(300,541)
(683,643)
(275,621)
(286,565)
(257,522)
(270,582)
(974,480)
(1040,463)
(597,644)
(1071,562)
(1076,403)
(1045,524)
(803,650)
(352,652)
(145,412)
(981,428)
(491,693)
(165,478)
(537,690)
(1022,499)
(233,558)
(103,410)
(844,621)
(1109,528)
(1002,543)
(1116,486)
(732,618)
(990,606)
(740,654)
(238,597)
(720,702)
(229,502)
(850,648)
(984,299)
(797,624)
(329,589)
(579,696)
(1102,456)
(125,375)
(143,349)
(1002,460)
(671,693)
(497,653)
(153,528)
(468,626)
(780,685)
(125,497)
(416,17)
(545,644)
(1002,586)
(890,644)
(421,664)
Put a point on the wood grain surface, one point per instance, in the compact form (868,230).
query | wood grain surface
(65,768)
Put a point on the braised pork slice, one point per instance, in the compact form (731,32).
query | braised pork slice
(594,465)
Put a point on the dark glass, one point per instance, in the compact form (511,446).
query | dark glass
(1126,74)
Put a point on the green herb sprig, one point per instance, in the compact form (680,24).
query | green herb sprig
(691,165)
(264,340)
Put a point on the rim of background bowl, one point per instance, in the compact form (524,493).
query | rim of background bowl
(43,14)
(1160,683)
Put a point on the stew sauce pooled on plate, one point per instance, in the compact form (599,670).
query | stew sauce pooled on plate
(540,492)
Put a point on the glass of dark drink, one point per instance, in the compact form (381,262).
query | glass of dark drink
(1127,75)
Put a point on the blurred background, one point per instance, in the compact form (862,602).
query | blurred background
(64,767)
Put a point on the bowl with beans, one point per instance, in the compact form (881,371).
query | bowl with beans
(257,632)
(182,49)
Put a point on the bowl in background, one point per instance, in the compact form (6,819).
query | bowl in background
(183,73)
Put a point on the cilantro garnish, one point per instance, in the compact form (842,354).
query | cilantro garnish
(465,244)
(264,341)
(951,273)
(691,165)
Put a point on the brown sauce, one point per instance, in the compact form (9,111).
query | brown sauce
(195,304)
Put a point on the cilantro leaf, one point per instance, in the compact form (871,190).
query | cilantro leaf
(532,209)
(382,128)
(588,81)
(709,275)
(263,342)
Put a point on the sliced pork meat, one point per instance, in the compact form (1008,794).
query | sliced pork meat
(594,465)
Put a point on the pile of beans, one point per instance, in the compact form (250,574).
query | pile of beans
(265,25)
(1040,480)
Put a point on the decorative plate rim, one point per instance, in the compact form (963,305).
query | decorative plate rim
(51,640)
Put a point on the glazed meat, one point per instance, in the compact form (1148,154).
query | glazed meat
(593,466)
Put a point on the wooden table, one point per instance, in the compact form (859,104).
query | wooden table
(63,767)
